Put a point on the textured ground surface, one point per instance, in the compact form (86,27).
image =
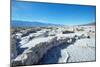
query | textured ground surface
(53,45)
(81,50)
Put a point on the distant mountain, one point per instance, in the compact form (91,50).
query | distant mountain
(88,24)
(91,24)
(30,24)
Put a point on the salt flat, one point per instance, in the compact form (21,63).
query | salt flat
(55,45)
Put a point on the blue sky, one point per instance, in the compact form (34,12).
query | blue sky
(53,13)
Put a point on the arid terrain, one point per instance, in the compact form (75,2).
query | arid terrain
(52,44)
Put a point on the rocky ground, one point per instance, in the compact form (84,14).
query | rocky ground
(46,45)
(82,50)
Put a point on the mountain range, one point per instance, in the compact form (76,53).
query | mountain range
(88,24)
(30,24)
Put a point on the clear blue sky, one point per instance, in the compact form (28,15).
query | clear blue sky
(53,13)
